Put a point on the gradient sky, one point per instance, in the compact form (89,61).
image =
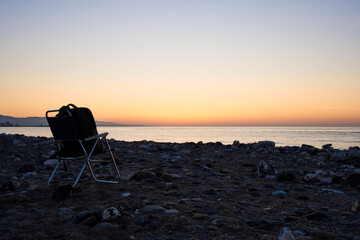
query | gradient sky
(169,62)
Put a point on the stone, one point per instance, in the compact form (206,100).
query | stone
(199,216)
(327,146)
(7,186)
(152,209)
(25,169)
(142,220)
(110,213)
(286,234)
(126,194)
(50,162)
(356,206)
(80,217)
(317,216)
(62,193)
(325,235)
(141,175)
(265,144)
(307,148)
(126,175)
(353,179)
(286,176)
(265,168)
(339,155)
(105,226)
(171,212)
(279,192)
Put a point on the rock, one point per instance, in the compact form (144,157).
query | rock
(152,209)
(105,226)
(265,144)
(327,146)
(318,176)
(171,212)
(62,193)
(91,221)
(339,155)
(7,186)
(26,168)
(64,211)
(356,206)
(124,205)
(199,216)
(141,175)
(142,220)
(307,148)
(50,162)
(236,143)
(126,175)
(286,234)
(279,192)
(317,216)
(288,176)
(354,152)
(110,213)
(353,180)
(264,169)
(17,198)
(325,235)
(126,194)
(80,217)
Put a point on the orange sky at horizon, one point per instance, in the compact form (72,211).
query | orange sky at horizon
(184,62)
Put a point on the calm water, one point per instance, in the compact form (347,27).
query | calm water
(340,137)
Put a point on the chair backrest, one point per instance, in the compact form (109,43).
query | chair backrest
(63,128)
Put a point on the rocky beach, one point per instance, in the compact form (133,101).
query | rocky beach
(182,191)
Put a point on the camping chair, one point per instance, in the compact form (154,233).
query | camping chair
(76,137)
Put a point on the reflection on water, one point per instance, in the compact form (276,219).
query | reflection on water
(340,137)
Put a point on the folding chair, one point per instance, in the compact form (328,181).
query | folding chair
(75,144)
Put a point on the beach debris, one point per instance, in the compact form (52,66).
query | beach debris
(110,213)
(286,234)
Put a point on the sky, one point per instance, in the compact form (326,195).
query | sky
(170,62)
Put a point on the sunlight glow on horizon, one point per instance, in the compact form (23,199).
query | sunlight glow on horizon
(184,62)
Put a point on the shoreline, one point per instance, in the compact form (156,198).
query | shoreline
(184,191)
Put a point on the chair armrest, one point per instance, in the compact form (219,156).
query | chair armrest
(96,136)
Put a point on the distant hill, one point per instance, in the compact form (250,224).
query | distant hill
(39,121)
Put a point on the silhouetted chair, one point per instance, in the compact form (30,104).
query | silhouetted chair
(76,137)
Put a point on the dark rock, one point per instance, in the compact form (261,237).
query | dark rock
(141,175)
(142,220)
(288,176)
(152,209)
(253,223)
(317,216)
(62,193)
(7,186)
(307,148)
(82,216)
(91,221)
(25,169)
(211,211)
(353,180)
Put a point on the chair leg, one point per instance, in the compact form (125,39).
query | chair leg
(53,173)
(113,162)
(78,177)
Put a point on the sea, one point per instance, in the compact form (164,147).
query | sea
(339,137)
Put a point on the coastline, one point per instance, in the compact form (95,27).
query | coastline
(184,191)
